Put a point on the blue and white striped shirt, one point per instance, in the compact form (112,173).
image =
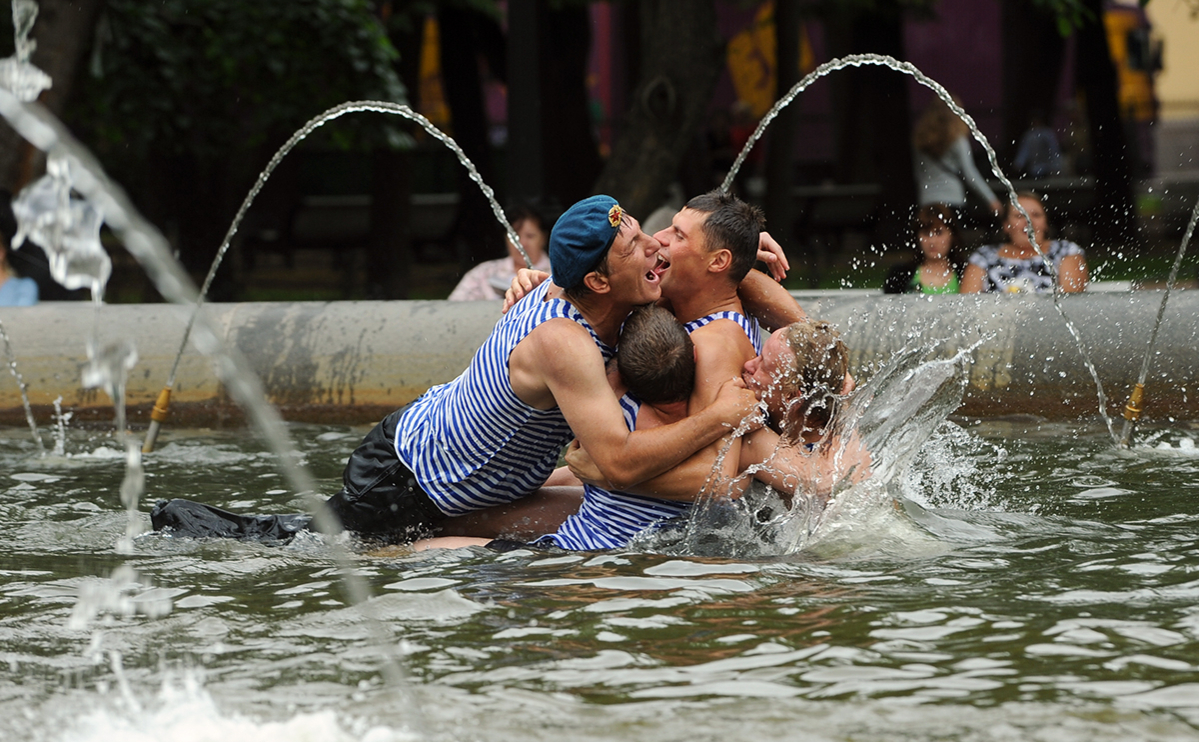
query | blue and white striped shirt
(609,520)
(472,443)
(749,324)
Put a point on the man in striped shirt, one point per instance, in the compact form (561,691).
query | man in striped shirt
(710,247)
(494,434)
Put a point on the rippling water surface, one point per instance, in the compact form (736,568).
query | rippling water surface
(1025,582)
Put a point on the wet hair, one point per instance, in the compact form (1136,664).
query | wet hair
(655,358)
(938,128)
(812,382)
(930,217)
(730,224)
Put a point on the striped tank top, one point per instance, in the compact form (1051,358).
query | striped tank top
(472,443)
(749,324)
(609,520)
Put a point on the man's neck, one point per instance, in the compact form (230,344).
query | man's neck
(604,316)
(706,299)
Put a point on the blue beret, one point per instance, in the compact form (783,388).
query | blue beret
(581,237)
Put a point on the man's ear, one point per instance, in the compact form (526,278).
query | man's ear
(720,261)
(597,283)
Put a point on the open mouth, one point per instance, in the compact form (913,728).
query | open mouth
(654,274)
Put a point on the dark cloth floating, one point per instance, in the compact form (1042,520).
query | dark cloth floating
(180,517)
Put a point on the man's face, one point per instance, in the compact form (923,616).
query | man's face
(631,265)
(762,373)
(684,252)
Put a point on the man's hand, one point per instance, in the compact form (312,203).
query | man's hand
(737,406)
(525,281)
(583,467)
(771,253)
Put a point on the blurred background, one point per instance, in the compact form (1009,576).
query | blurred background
(185,101)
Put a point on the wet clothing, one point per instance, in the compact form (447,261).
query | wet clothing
(608,520)
(748,324)
(472,443)
(462,446)
(197,520)
(905,279)
(1015,275)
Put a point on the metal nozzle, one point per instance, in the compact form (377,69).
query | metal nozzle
(162,407)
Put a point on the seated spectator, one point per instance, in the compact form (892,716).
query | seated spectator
(14,290)
(1039,155)
(937,267)
(1015,266)
(489,280)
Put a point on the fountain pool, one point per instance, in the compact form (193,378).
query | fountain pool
(1035,583)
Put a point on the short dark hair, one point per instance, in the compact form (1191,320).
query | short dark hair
(730,224)
(543,213)
(655,357)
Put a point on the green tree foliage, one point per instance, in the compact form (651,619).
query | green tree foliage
(212,77)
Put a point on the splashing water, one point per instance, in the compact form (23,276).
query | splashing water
(60,427)
(109,369)
(907,68)
(16,73)
(891,415)
(12,367)
(1132,412)
(147,245)
(67,227)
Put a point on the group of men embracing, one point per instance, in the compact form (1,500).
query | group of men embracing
(477,458)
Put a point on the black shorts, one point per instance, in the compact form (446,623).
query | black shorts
(380,497)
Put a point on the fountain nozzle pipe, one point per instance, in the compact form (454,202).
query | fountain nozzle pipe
(162,407)
(1132,413)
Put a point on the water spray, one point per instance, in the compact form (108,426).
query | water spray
(148,246)
(882,60)
(162,406)
(1132,410)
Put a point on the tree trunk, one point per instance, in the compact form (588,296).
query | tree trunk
(570,153)
(476,235)
(870,115)
(63,32)
(1114,219)
(780,165)
(681,57)
(1032,67)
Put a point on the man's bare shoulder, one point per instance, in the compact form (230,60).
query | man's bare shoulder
(723,332)
(558,343)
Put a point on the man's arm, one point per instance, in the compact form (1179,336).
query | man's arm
(558,363)
(767,300)
(720,350)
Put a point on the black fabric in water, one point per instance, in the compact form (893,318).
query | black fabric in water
(180,517)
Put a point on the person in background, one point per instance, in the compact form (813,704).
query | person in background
(14,290)
(938,266)
(1015,266)
(489,280)
(1039,154)
(942,163)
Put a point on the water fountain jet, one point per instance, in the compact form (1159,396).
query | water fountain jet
(162,405)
